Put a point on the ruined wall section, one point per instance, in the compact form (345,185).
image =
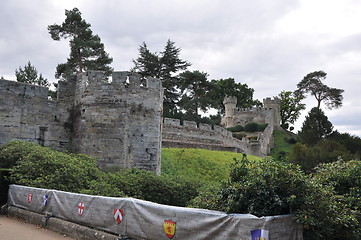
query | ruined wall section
(118,122)
(27,114)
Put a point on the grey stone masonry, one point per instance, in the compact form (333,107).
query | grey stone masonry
(117,122)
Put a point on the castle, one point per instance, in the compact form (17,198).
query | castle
(120,122)
(190,134)
(270,113)
(117,122)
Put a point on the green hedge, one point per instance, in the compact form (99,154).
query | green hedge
(36,166)
(237,128)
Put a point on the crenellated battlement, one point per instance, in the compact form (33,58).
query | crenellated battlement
(270,102)
(118,121)
(23,89)
(230,100)
(244,110)
(124,78)
(190,126)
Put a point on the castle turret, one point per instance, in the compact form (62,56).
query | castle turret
(118,122)
(230,103)
(275,105)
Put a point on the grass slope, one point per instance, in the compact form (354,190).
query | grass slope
(283,141)
(203,166)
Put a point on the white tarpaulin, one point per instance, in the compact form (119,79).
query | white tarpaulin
(146,220)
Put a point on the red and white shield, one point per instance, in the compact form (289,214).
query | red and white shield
(81,207)
(30,197)
(118,215)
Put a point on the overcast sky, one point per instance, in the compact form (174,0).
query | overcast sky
(269,45)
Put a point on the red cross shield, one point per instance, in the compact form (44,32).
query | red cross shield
(30,197)
(118,215)
(81,207)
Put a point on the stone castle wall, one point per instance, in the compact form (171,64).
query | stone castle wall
(204,136)
(27,114)
(117,122)
(269,114)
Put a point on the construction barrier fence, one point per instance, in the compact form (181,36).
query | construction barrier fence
(140,219)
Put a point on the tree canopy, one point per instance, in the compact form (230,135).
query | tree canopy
(315,127)
(86,50)
(313,83)
(165,66)
(29,74)
(291,107)
(228,87)
(194,88)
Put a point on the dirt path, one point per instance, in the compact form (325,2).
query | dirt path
(13,229)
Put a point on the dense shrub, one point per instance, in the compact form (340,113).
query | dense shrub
(46,168)
(271,188)
(237,128)
(324,151)
(261,127)
(148,186)
(255,127)
(36,166)
(251,127)
(13,151)
(351,143)
(345,179)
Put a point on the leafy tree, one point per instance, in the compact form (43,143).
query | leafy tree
(325,151)
(30,75)
(315,127)
(165,66)
(352,143)
(312,83)
(194,88)
(228,87)
(291,107)
(86,50)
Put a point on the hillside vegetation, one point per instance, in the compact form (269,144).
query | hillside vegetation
(203,166)
(327,202)
(283,142)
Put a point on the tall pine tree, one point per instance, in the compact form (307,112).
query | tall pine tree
(29,74)
(315,127)
(86,50)
(165,66)
(194,88)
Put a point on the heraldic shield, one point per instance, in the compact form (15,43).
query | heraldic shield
(169,228)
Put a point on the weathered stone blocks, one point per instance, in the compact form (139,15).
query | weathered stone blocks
(119,123)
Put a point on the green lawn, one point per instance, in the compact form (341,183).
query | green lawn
(201,165)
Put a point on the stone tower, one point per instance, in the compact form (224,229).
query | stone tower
(275,105)
(119,123)
(230,103)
